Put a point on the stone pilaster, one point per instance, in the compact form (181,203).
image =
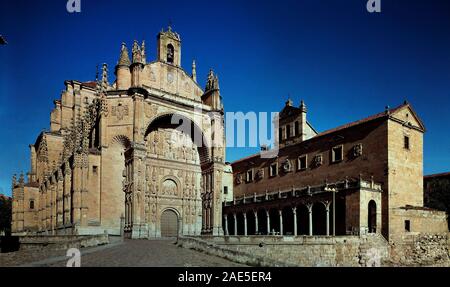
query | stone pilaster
(60,200)
(138,194)
(76,200)
(67,193)
(84,190)
(53,207)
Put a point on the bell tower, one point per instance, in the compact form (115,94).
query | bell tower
(169,47)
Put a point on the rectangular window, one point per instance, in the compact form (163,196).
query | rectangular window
(288,131)
(407,226)
(249,175)
(296,128)
(31,204)
(225,190)
(337,153)
(302,162)
(273,169)
(406,142)
(280,134)
(94,169)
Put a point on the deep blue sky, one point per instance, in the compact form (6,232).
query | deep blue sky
(344,62)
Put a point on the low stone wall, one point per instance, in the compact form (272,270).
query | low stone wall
(62,241)
(208,247)
(421,250)
(294,251)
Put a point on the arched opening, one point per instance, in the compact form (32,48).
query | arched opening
(240,223)
(302,220)
(169,223)
(175,137)
(319,214)
(262,222)
(274,215)
(230,220)
(372,217)
(170,54)
(186,127)
(251,230)
(288,221)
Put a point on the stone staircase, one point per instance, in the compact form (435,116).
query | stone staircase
(374,250)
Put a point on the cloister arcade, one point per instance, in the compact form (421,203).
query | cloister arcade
(327,210)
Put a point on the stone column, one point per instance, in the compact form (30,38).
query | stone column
(84,190)
(138,178)
(268,222)
(226,224)
(309,206)
(67,193)
(245,224)
(48,209)
(60,200)
(327,207)
(294,211)
(203,216)
(127,215)
(235,224)
(216,197)
(281,221)
(76,199)
(256,222)
(53,189)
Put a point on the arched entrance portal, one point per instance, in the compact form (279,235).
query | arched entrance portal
(372,217)
(169,223)
(177,147)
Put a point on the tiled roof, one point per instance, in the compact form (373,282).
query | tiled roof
(365,120)
(4,196)
(340,128)
(90,84)
(444,174)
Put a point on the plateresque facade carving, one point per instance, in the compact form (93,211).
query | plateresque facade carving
(116,159)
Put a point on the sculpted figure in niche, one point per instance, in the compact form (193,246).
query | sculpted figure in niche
(286,165)
(357,150)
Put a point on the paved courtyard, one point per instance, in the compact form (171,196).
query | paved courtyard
(138,253)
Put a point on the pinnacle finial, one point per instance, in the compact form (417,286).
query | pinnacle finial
(124,59)
(14,180)
(210,80)
(137,54)
(21,178)
(303,106)
(194,71)
(289,102)
(144,56)
(104,78)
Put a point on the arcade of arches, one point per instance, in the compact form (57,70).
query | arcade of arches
(298,212)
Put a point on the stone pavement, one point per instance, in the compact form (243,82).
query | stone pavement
(136,253)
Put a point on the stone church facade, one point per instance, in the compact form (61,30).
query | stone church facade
(143,155)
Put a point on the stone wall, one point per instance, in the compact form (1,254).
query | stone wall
(308,251)
(421,221)
(421,250)
(62,241)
